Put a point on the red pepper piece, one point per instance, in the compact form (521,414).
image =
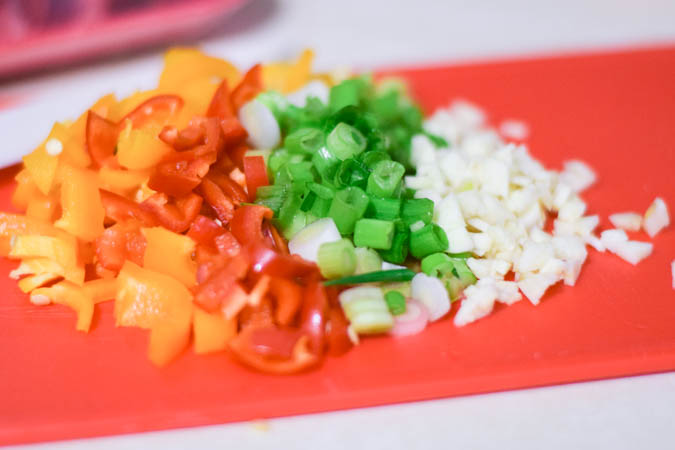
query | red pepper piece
(179,173)
(118,243)
(160,104)
(248,88)
(267,261)
(337,338)
(313,317)
(178,216)
(258,316)
(204,231)
(228,186)
(227,244)
(233,131)
(246,225)
(258,350)
(221,103)
(219,286)
(287,295)
(222,205)
(256,175)
(120,208)
(185,139)
(101,139)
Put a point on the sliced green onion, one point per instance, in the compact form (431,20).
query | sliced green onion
(417,209)
(402,287)
(320,207)
(366,309)
(304,140)
(398,252)
(385,179)
(275,101)
(272,196)
(300,171)
(347,207)
(416,226)
(374,277)
(367,260)
(345,141)
(371,158)
(337,259)
(345,94)
(290,208)
(462,270)
(395,302)
(428,240)
(384,208)
(463,255)
(326,164)
(437,265)
(351,173)
(277,159)
(308,202)
(374,233)
(438,141)
(322,191)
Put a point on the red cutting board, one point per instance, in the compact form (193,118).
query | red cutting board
(616,111)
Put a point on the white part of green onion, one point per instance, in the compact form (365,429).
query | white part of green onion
(366,310)
(314,88)
(367,260)
(307,241)
(431,292)
(260,124)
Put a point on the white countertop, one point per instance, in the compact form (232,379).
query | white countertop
(635,412)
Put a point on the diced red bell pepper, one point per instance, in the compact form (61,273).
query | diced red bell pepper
(258,316)
(182,140)
(176,216)
(287,296)
(233,131)
(246,224)
(248,88)
(337,338)
(101,139)
(118,243)
(267,261)
(256,175)
(120,208)
(222,205)
(219,285)
(259,349)
(227,244)
(280,243)
(204,231)
(152,107)
(179,173)
(221,103)
(228,186)
(313,317)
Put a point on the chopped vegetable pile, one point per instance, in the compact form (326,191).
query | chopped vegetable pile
(280,214)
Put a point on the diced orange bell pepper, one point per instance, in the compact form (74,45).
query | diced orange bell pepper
(32,282)
(183,65)
(26,189)
(288,77)
(18,225)
(212,331)
(44,207)
(101,290)
(141,148)
(42,167)
(171,254)
(68,294)
(122,182)
(83,212)
(158,302)
(32,266)
(62,251)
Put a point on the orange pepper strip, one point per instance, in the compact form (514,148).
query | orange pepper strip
(83,212)
(171,254)
(212,331)
(158,302)
(65,293)
(35,281)
(43,207)
(62,251)
(33,266)
(25,190)
(100,290)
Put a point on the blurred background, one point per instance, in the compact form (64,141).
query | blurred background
(58,56)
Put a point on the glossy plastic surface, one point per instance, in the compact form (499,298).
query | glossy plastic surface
(614,111)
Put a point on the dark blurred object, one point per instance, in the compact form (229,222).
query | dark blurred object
(40,34)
